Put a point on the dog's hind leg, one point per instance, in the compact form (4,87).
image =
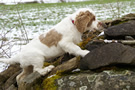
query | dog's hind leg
(26,71)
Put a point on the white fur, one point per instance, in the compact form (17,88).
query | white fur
(35,52)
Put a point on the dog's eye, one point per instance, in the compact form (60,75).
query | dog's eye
(94,18)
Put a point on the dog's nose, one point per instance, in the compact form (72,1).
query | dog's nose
(101,24)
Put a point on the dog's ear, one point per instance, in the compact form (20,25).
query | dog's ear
(83,20)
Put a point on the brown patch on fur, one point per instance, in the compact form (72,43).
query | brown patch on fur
(83,20)
(92,18)
(51,38)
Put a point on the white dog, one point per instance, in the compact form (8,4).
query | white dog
(60,39)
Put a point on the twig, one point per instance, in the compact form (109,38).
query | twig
(5,53)
(128,42)
(21,22)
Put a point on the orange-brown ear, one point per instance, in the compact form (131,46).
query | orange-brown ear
(82,20)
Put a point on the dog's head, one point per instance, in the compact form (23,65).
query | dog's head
(85,19)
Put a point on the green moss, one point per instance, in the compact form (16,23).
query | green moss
(55,63)
(46,64)
(38,87)
(58,61)
(120,71)
(87,37)
(101,37)
(49,83)
(82,44)
(122,22)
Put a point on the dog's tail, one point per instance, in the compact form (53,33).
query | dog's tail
(8,61)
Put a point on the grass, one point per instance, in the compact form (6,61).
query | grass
(48,5)
(36,14)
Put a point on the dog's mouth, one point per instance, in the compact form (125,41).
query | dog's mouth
(101,25)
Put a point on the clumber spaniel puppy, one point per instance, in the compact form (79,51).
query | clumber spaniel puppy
(58,40)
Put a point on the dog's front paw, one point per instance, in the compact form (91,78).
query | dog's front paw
(84,52)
